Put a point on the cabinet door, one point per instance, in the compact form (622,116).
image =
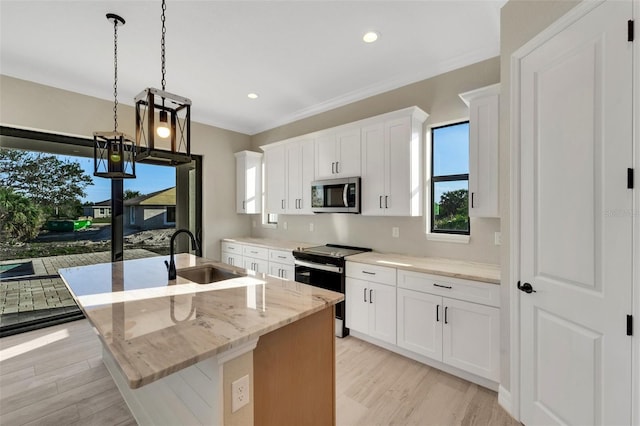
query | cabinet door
(308,174)
(293,152)
(373,166)
(233,259)
(257,265)
(281,270)
(357,305)
(471,338)
(300,174)
(348,152)
(402,169)
(382,312)
(420,319)
(325,148)
(248,182)
(275,175)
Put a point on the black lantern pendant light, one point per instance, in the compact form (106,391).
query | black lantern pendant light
(163,120)
(114,153)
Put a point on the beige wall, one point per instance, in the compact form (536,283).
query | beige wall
(438,96)
(27,104)
(520,21)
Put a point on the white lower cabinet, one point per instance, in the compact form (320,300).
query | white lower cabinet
(371,309)
(471,338)
(370,294)
(459,333)
(281,264)
(419,323)
(232,254)
(260,259)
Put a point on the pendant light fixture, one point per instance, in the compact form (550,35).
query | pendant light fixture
(114,153)
(163,119)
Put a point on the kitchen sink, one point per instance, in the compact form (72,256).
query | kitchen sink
(206,274)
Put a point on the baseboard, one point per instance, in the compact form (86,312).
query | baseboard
(504,399)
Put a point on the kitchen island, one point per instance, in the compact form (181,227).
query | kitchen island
(174,347)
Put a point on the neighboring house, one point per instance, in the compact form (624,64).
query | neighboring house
(152,211)
(98,210)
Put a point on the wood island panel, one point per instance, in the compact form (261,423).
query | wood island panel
(294,373)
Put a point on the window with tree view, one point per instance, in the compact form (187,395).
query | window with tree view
(450,179)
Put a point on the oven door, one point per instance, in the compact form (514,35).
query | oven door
(329,277)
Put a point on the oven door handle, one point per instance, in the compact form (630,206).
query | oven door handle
(312,265)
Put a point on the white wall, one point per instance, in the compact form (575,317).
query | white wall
(27,104)
(438,96)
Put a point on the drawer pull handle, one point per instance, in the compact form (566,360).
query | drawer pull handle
(365,295)
(437,313)
(445,314)
(370,295)
(282,257)
(368,273)
(442,286)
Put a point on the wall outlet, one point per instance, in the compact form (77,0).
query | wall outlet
(239,393)
(311,227)
(497,238)
(395,232)
(253,223)
(284,225)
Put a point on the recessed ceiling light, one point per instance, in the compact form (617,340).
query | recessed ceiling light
(370,37)
(252,96)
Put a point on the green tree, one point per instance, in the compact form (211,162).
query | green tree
(20,218)
(453,203)
(45,179)
(129,194)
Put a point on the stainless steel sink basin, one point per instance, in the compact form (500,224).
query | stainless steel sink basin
(207,274)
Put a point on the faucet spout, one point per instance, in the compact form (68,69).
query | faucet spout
(171,265)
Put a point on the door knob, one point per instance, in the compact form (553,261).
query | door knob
(526,287)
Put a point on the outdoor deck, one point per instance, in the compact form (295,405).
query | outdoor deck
(34,298)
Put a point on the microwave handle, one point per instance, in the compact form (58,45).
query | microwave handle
(344,195)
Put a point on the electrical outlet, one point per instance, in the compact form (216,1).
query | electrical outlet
(497,238)
(395,232)
(311,227)
(253,223)
(284,225)
(239,393)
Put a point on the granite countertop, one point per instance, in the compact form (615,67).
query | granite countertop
(483,272)
(270,243)
(154,327)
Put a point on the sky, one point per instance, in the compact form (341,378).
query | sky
(149,178)
(451,148)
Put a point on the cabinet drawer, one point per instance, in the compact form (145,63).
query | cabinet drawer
(233,248)
(281,256)
(373,273)
(472,291)
(256,252)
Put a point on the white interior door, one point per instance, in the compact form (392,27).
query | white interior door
(576,235)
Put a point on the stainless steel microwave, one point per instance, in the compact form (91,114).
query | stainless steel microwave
(336,195)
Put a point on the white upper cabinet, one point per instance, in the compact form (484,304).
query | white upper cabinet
(248,182)
(275,177)
(391,164)
(338,153)
(484,118)
(300,174)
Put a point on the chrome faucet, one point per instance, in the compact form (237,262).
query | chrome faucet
(171,265)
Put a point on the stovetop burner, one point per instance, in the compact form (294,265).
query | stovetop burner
(332,250)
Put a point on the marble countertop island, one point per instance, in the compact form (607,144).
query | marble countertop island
(154,327)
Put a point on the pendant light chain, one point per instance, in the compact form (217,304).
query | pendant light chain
(162,45)
(115,76)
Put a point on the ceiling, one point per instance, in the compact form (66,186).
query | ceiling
(301,57)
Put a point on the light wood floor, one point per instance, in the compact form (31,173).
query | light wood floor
(55,376)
